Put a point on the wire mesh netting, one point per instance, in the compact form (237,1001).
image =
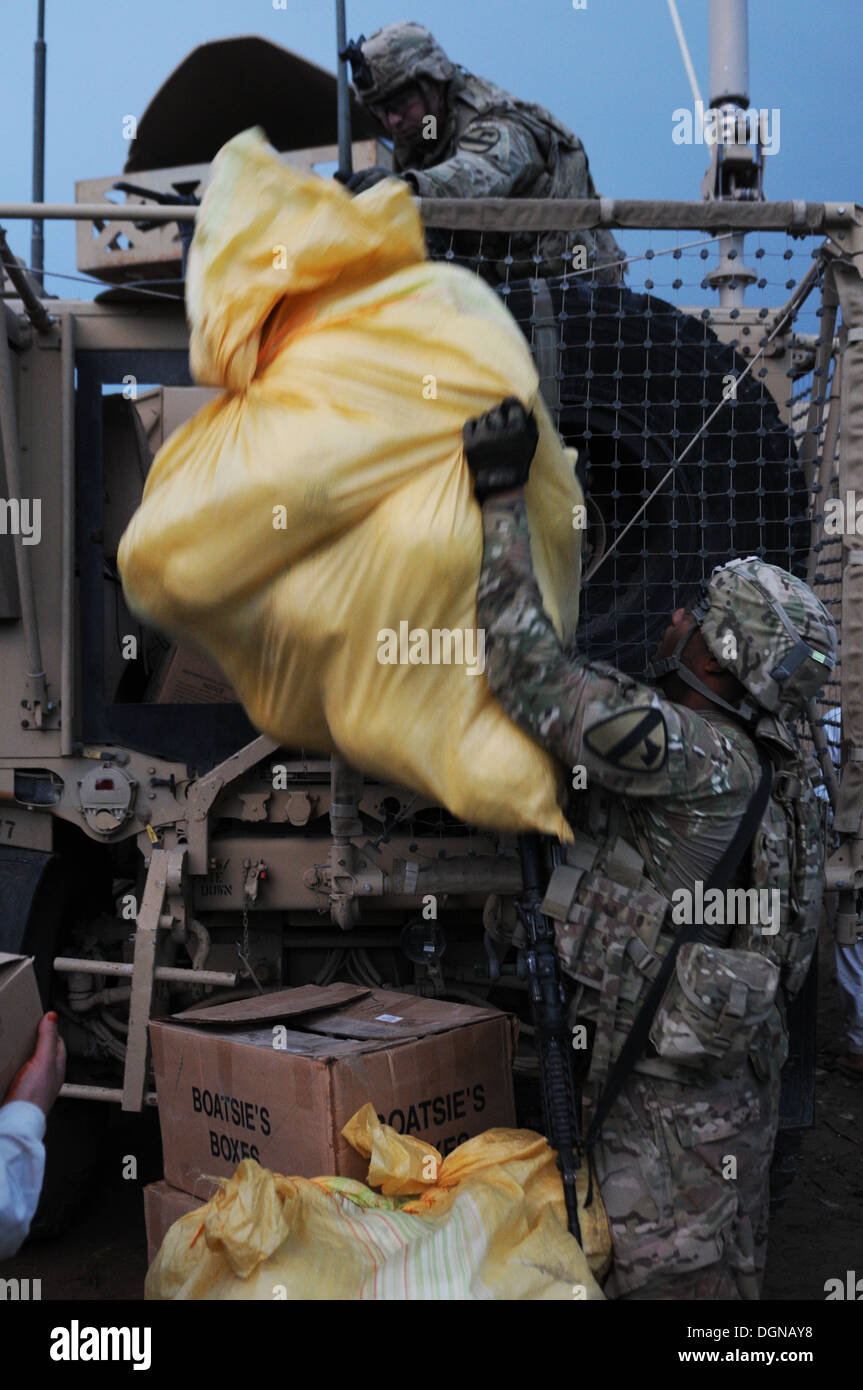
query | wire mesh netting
(703,428)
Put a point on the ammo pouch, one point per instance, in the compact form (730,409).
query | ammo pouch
(607,920)
(609,927)
(713,1006)
(606,933)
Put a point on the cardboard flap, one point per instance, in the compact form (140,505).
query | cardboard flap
(282,1003)
(395,1017)
(8,961)
(323,1047)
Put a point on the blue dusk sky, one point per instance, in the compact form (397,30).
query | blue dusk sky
(612,71)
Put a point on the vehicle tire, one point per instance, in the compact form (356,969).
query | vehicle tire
(637,380)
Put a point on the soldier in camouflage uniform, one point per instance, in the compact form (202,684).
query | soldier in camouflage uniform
(683,1157)
(458,136)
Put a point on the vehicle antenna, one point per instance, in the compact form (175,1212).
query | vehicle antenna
(346,165)
(685,54)
(37,240)
(737,166)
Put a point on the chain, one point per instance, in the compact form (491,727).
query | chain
(243,948)
(245,926)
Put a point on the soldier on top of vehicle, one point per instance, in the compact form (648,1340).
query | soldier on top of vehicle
(456,135)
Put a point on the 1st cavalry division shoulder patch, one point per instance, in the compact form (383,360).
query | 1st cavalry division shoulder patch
(480,139)
(633,741)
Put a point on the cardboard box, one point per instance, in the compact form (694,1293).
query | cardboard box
(188,678)
(276,1078)
(163,1205)
(20,1014)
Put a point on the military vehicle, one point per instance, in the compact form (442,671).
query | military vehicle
(155,850)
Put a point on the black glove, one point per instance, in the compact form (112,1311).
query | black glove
(499,446)
(367,178)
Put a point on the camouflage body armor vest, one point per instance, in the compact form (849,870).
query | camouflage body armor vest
(613,926)
(564,172)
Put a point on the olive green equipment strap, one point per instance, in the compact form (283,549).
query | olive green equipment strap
(546,344)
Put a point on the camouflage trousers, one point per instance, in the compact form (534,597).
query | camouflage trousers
(684,1174)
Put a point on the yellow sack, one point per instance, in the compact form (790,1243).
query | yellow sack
(323,501)
(489,1225)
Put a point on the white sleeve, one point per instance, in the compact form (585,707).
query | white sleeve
(22,1168)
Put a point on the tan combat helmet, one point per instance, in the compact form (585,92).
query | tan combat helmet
(768,629)
(393,57)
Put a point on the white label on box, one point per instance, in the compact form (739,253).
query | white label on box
(389,1018)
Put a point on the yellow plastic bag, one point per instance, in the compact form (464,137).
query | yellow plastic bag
(488,1225)
(318,518)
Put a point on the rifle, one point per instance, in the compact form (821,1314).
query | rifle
(185,227)
(539,965)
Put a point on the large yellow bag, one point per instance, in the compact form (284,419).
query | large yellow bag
(318,518)
(487,1223)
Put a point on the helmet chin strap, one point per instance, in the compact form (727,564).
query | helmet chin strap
(673,664)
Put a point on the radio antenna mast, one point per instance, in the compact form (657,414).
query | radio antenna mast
(686,55)
(736,170)
(346,163)
(37,239)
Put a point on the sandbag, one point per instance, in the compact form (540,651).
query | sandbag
(314,529)
(488,1222)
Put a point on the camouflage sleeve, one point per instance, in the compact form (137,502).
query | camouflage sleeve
(624,734)
(494,158)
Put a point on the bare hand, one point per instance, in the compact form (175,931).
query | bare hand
(40,1079)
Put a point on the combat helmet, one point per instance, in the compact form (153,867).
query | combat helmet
(393,57)
(768,629)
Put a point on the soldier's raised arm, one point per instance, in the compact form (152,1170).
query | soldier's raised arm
(625,734)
